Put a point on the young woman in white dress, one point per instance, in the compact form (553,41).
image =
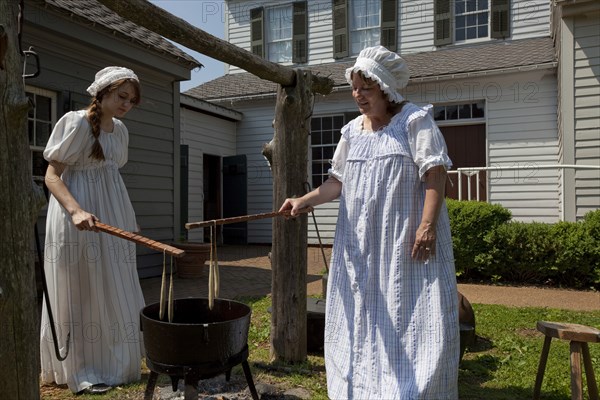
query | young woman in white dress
(92,279)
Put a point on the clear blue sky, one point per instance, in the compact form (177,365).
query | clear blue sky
(208,15)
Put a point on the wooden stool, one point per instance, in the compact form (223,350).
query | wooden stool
(580,336)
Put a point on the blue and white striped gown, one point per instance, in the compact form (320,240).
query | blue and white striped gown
(92,278)
(391,322)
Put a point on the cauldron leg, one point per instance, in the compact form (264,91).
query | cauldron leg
(249,379)
(191,385)
(175,382)
(150,385)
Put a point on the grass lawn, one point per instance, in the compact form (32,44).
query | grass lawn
(501,366)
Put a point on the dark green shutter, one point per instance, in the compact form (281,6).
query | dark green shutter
(340,28)
(442,14)
(499,19)
(257,43)
(389,20)
(300,30)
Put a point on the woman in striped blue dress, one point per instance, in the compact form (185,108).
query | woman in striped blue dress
(392,327)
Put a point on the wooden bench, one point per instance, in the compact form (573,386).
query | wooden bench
(579,336)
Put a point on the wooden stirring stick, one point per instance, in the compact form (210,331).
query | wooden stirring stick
(139,239)
(244,218)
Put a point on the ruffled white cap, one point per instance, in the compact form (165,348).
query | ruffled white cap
(109,75)
(385,67)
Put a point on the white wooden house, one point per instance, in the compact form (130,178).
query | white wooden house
(514,84)
(73,39)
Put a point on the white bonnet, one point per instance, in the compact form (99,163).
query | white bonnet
(385,67)
(109,75)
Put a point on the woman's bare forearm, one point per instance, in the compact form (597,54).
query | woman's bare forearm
(328,191)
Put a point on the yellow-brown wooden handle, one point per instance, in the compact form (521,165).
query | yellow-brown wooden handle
(139,239)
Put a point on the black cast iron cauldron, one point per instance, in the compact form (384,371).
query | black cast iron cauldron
(199,344)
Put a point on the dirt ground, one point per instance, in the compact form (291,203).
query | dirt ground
(245,271)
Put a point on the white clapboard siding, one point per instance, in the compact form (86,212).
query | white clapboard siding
(252,133)
(586,66)
(415,33)
(204,134)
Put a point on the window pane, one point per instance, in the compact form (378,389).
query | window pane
(315,138)
(478,110)
(439,113)
(338,122)
(328,153)
(316,153)
(42,133)
(460,34)
(327,123)
(43,108)
(482,4)
(460,21)
(459,7)
(471,5)
(452,112)
(471,19)
(315,124)
(482,31)
(464,111)
(337,135)
(471,33)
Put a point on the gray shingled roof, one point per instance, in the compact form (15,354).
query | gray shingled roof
(99,14)
(433,64)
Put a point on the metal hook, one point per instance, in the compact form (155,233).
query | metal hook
(27,53)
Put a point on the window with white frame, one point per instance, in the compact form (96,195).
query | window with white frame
(471,19)
(40,120)
(279,33)
(461,111)
(364,24)
(325,133)
(459,21)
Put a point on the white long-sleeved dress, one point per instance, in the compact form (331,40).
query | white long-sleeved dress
(92,279)
(391,322)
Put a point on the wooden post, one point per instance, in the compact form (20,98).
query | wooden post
(289,150)
(19,204)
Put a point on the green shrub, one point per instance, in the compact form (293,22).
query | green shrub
(470,221)
(519,252)
(490,247)
(578,252)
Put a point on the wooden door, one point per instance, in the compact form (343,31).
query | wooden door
(466,148)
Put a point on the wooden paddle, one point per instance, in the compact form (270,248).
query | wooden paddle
(243,218)
(139,239)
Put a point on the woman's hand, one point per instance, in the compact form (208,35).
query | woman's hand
(293,204)
(424,242)
(84,221)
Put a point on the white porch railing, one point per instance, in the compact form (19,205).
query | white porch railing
(471,172)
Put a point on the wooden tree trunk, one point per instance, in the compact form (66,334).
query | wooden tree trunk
(288,255)
(19,326)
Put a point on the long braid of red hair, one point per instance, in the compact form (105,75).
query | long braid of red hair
(95,116)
